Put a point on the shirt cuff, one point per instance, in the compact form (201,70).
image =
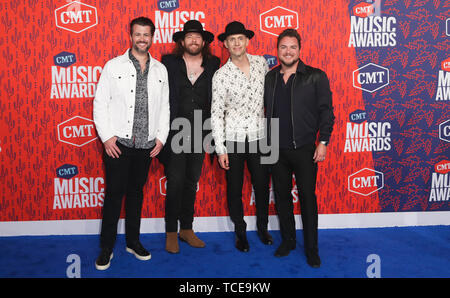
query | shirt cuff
(221,149)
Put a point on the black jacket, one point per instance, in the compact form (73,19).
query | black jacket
(174,65)
(311,104)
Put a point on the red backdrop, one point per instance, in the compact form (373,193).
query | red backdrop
(52,53)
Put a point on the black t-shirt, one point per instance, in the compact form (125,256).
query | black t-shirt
(282,110)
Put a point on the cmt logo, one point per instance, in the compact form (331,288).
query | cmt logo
(365,182)
(371,77)
(168,5)
(358,116)
(271,60)
(363,9)
(77,131)
(442,167)
(67,171)
(76,17)
(444,131)
(447,27)
(64,59)
(163,185)
(275,20)
(445,65)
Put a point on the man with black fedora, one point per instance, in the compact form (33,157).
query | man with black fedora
(190,67)
(237,120)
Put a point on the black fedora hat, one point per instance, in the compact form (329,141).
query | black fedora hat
(235,27)
(193,26)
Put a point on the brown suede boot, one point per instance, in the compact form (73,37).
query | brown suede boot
(189,237)
(172,243)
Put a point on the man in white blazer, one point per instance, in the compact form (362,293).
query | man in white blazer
(132,118)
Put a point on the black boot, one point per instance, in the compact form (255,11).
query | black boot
(285,248)
(313,259)
(241,242)
(265,237)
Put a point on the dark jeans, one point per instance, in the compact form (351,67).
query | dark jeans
(127,176)
(235,179)
(300,162)
(183,173)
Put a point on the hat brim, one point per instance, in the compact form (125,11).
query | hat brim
(248,33)
(206,35)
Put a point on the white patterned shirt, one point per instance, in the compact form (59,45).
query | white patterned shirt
(237,108)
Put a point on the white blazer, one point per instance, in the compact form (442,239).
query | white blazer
(115,99)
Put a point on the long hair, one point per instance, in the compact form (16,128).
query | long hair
(179,49)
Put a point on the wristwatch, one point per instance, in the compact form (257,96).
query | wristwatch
(324,142)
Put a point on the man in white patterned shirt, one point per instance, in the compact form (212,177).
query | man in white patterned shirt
(237,120)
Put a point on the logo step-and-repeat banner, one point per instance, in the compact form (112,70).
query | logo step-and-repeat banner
(387,61)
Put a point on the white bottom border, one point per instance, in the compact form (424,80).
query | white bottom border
(224,224)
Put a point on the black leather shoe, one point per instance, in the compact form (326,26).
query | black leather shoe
(265,237)
(285,248)
(313,260)
(242,243)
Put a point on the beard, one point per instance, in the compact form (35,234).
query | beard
(288,64)
(193,52)
(140,50)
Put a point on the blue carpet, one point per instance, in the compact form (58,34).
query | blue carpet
(409,252)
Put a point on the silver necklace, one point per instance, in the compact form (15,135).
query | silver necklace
(192,75)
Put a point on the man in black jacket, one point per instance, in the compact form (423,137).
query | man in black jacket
(190,69)
(300,97)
